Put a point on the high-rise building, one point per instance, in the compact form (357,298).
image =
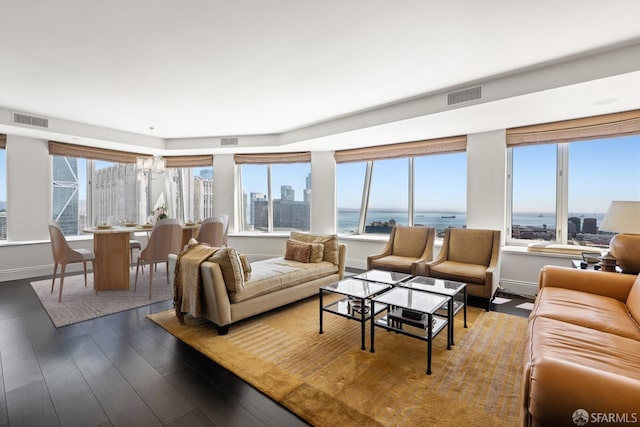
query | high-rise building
(307,189)
(203,197)
(116,193)
(65,196)
(287,193)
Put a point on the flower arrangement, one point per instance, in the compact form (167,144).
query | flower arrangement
(159,213)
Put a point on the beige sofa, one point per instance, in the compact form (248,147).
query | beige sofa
(269,283)
(582,360)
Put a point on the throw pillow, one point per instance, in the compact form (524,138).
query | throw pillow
(231,267)
(317,252)
(298,251)
(330,243)
(246,267)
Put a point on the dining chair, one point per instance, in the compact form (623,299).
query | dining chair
(64,254)
(165,239)
(211,231)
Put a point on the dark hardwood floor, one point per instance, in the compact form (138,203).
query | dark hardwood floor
(120,370)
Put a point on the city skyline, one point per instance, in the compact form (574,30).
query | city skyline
(591,189)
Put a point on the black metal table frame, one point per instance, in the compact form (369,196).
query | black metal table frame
(362,318)
(429,338)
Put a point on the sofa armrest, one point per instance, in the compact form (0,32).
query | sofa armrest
(216,304)
(614,285)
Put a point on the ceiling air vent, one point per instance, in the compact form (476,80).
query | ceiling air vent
(228,141)
(465,95)
(25,119)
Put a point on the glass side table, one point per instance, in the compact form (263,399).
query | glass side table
(447,288)
(356,305)
(425,325)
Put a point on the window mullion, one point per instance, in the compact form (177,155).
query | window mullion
(411,177)
(562,185)
(269,202)
(509,207)
(366,188)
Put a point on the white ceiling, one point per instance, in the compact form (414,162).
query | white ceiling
(323,72)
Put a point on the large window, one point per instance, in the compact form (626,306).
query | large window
(388,195)
(3,191)
(373,196)
(276,197)
(192,193)
(90,192)
(560,192)
(440,187)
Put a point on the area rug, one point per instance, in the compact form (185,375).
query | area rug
(81,303)
(327,380)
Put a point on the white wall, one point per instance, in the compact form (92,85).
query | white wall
(323,194)
(486,186)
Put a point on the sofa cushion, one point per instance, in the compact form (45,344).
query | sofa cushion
(461,272)
(409,241)
(633,300)
(571,367)
(329,242)
(394,263)
(278,273)
(231,267)
(585,309)
(246,267)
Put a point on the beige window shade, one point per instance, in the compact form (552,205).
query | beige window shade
(263,159)
(608,125)
(188,161)
(71,150)
(3,141)
(453,144)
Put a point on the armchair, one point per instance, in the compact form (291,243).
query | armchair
(407,251)
(471,256)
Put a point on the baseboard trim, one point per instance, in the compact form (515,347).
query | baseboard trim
(518,287)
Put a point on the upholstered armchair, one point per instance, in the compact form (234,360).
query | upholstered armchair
(470,256)
(407,251)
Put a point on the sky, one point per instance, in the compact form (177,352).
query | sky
(596,169)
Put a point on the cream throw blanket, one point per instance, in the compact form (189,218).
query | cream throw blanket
(187,283)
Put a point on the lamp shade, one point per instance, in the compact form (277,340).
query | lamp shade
(622,217)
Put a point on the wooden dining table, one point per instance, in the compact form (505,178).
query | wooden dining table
(111,266)
(111,246)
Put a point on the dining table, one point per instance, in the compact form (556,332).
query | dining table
(111,247)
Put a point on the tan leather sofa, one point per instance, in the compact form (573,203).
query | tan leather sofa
(582,360)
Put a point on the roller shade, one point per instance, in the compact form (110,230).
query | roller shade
(604,126)
(270,158)
(81,151)
(453,144)
(3,141)
(188,161)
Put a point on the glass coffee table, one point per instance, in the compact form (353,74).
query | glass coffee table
(382,276)
(414,308)
(357,302)
(447,288)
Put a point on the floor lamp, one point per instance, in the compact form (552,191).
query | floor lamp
(623,217)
